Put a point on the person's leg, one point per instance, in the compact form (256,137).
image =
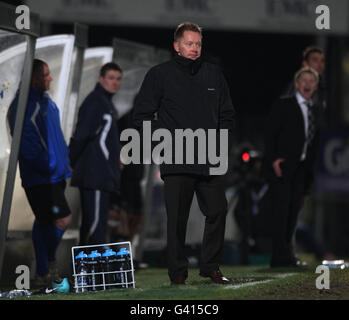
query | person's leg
(60,219)
(95,208)
(39,238)
(179,192)
(280,197)
(56,234)
(87,203)
(211,198)
(296,197)
(40,200)
(52,215)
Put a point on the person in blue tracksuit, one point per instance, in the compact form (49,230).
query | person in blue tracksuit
(95,155)
(44,167)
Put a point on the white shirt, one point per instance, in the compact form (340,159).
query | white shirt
(303,105)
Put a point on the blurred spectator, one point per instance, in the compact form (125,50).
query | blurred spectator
(44,166)
(95,153)
(291,134)
(313,57)
(250,211)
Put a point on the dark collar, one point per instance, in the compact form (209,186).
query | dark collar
(36,93)
(189,65)
(99,88)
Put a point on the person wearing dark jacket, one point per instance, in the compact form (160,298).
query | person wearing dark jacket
(290,150)
(95,155)
(44,167)
(189,93)
(313,57)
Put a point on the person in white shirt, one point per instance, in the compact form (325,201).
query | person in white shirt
(290,150)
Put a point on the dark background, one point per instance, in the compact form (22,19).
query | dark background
(257,66)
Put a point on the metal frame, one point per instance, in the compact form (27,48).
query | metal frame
(103,273)
(7,18)
(81,43)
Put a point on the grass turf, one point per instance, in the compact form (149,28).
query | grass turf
(272,284)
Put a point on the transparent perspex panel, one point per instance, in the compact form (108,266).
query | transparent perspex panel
(57,52)
(70,102)
(131,82)
(135,59)
(11,69)
(94,59)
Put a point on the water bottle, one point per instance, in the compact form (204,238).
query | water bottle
(15,294)
(94,268)
(108,265)
(122,266)
(81,270)
(128,264)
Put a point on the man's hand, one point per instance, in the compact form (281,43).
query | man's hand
(276,166)
(122,163)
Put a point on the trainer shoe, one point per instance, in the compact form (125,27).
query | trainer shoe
(61,286)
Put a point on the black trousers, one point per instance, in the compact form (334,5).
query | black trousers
(210,193)
(95,207)
(286,197)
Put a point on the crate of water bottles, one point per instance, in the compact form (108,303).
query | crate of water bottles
(103,267)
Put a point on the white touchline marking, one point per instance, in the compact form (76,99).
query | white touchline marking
(248,284)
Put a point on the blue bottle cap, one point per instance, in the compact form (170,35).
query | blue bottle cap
(81,255)
(109,253)
(123,251)
(94,254)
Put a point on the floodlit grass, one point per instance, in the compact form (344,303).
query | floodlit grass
(275,284)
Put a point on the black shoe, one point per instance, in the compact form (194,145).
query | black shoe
(294,263)
(216,276)
(178,280)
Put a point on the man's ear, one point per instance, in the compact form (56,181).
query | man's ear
(296,84)
(304,64)
(176,46)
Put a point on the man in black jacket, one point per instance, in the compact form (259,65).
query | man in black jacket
(95,155)
(291,136)
(189,93)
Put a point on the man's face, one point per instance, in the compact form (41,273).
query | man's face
(47,78)
(189,46)
(316,61)
(43,81)
(306,85)
(111,81)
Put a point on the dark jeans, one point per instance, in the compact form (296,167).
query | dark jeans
(210,193)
